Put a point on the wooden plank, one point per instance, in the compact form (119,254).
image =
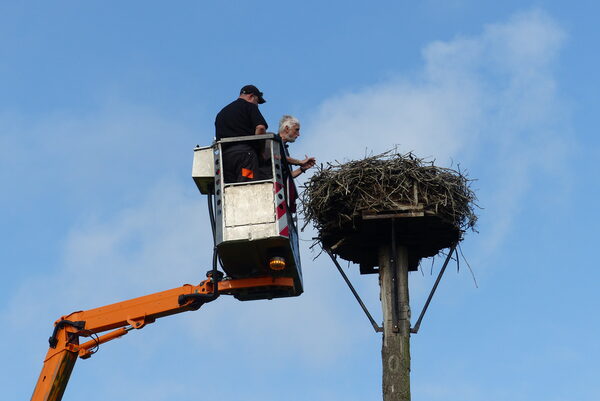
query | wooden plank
(393,216)
(418,206)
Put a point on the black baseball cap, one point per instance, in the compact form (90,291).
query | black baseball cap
(252,90)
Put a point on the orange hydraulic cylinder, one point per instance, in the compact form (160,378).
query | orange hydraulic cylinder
(85,349)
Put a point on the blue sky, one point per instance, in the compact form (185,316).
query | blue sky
(101,104)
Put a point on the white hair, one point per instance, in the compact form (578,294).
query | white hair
(288,121)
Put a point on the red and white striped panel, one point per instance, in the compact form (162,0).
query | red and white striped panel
(281,209)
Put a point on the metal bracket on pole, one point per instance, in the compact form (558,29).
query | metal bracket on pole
(376,327)
(415,329)
(393,267)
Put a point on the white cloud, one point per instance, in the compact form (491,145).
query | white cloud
(489,102)
(155,244)
(151,247)
(486,98)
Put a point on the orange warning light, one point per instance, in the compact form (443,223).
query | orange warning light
(277,263)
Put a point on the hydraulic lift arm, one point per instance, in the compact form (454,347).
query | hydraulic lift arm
(122,317)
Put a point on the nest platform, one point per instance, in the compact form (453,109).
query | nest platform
(423,233)
(354,205)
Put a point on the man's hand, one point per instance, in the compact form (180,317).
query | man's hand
(260,129)
(307,163)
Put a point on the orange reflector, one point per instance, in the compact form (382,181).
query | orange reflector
(277,263)
(247,173)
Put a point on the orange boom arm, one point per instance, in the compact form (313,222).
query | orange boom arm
(124,316)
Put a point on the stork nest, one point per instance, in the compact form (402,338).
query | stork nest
(338,196)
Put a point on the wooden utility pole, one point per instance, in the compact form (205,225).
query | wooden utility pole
(395,351)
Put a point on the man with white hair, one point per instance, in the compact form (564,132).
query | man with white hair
(289,131)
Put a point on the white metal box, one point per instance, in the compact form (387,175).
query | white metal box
(203,169)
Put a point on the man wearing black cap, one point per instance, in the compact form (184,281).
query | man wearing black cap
(240,118)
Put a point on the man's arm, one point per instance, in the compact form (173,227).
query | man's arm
(307,163)
(257,119)
(292,161)
(297,172)
(260,129)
